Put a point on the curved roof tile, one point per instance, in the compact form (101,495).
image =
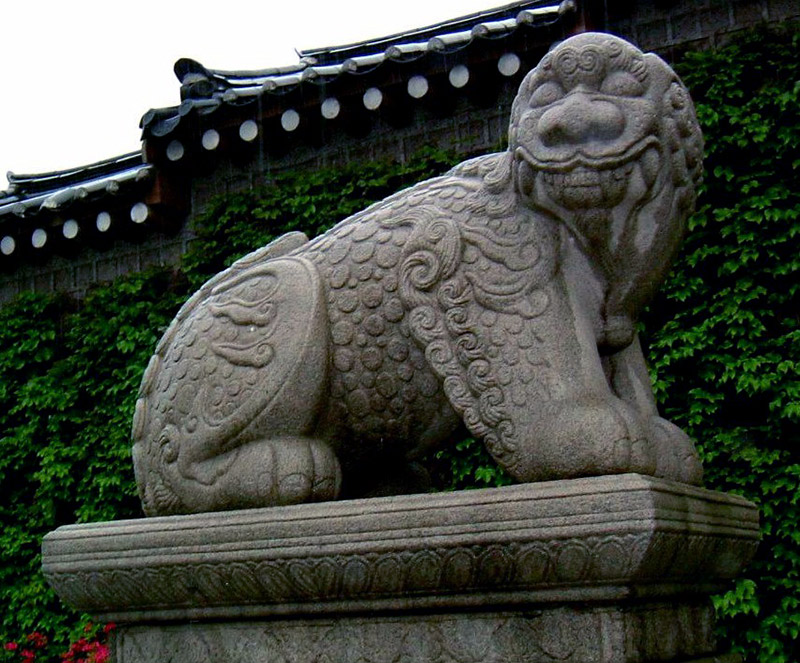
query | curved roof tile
(58,189)
(327,64)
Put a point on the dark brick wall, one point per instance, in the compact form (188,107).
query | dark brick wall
(76,274)
(468,131)
(672,27)
(668,27)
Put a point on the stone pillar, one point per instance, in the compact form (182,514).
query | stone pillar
(611,569)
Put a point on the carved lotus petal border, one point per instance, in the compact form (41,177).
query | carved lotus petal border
(598,538)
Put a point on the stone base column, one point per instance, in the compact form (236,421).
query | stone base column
(612,569)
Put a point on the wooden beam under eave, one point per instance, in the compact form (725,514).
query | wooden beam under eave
(169,194)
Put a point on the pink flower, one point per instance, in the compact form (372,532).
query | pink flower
(101,654)
(37,640)
(10,646)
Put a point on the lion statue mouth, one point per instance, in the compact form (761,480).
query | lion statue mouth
(584,182)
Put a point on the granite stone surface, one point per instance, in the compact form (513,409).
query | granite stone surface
(647,633)
(502,296)
(600,539)
(612,569)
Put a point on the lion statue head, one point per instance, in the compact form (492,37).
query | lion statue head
(605,138)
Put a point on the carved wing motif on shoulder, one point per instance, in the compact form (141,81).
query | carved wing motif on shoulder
(213,384)
(278,247)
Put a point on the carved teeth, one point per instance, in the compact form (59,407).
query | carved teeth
(583,177)
(582,187)
(623,172)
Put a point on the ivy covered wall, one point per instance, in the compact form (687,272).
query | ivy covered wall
(723,339)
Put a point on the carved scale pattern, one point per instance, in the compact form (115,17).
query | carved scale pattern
(456,266)
(381,387)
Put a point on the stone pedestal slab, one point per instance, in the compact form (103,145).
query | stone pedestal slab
(610,569)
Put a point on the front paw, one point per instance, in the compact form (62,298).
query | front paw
(575,439)
(676,456)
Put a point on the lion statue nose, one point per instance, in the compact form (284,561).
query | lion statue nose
(580,119)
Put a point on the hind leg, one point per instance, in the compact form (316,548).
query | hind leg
(269,472)
(282,470)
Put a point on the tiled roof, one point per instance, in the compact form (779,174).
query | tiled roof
(54,209)
(205,92)
(31,193)
(512,14)
(37,210)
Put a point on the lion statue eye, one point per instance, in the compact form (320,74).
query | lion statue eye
(622,84)
(546,93)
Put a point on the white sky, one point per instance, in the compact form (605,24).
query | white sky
(77,75)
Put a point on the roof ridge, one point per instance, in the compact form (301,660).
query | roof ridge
(341,52)
(187,69)
(35,182)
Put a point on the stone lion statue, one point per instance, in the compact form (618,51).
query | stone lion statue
(501,296)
